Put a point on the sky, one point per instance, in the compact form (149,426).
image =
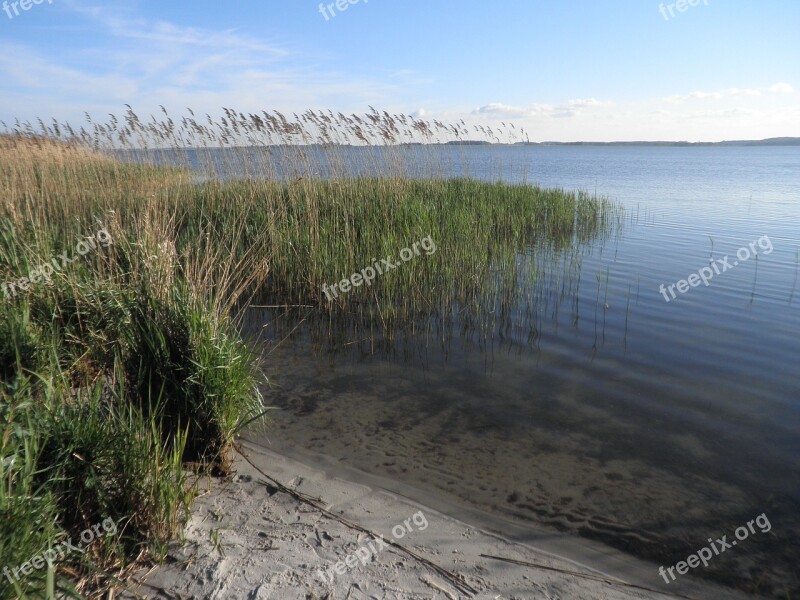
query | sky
(565,70)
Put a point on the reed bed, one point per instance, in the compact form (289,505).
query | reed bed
(117,371)
(127,365)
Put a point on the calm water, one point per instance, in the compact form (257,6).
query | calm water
(647,424)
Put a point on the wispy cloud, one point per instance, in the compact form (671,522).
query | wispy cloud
(781,88)
(778,88)
(122,23)
(565,110)
(150,62)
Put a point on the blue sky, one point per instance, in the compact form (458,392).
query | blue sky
(565,70)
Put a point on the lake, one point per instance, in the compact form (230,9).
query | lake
(604,405)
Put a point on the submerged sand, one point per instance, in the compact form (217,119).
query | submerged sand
(548,456)
(248,538)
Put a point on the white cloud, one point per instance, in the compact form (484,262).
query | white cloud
(588,102)
(742,92)
(781,88)
(568,109)
(705,95)
(778,88)
(730,113)
(738,114)
(499,109)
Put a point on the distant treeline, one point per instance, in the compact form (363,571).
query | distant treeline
(779,141)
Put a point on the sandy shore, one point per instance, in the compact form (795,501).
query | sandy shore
(331,538)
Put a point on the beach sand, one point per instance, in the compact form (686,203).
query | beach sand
(250,538)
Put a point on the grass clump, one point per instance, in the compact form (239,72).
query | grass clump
(28,517)
(73,460)
(200,371)
(117,370)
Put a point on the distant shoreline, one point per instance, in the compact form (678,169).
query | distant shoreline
(778,141)
(769,142)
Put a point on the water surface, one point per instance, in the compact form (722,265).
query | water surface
(610,413)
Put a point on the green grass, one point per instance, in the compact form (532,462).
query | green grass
(114,375)
(128,364)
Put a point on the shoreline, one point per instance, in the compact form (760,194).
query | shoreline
(302,546)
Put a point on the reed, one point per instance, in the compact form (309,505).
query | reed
(128,364)
(115,372)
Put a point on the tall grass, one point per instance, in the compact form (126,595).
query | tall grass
(114,373)
(127,364)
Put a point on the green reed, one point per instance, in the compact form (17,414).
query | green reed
(128,364)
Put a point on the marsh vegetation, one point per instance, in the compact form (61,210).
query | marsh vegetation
(123,369)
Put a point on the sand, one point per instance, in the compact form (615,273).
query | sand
(248,538)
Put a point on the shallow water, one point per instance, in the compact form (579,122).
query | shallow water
(648,424)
